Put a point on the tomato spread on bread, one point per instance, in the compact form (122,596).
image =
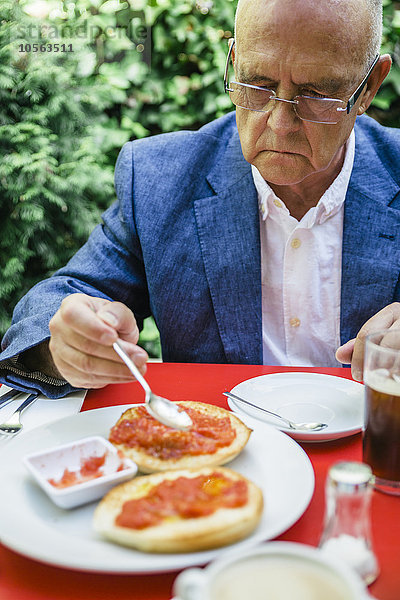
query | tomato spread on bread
(185,498)
(207,434)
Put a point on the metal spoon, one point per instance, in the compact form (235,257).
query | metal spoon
(300,426)
(163,410)
(13,425)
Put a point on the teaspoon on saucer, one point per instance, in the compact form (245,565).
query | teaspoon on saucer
(163,410)
(298,426)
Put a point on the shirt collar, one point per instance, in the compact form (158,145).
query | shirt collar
(328,205)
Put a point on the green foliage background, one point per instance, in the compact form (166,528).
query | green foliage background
(138,68)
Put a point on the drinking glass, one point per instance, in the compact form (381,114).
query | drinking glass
(381,438)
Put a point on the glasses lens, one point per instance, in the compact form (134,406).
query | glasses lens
(319,110)
(250,97)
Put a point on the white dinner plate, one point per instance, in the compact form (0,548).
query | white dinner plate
(304,397)
(32,525)
(42,411)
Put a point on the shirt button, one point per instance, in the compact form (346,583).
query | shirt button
(277,203)
(294,322)
(296,243)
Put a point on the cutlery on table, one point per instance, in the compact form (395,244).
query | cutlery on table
(9,397)
(292,425)
(13,424)
(160,408)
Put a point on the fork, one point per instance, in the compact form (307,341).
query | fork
(13,425)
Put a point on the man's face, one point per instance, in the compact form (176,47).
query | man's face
(290,49)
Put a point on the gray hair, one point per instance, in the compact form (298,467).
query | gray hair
(374,46)
(375,10)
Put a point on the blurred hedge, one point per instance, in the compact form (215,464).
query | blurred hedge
(137,68)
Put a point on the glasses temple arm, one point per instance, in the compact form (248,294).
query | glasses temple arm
(231,44)
(360,88)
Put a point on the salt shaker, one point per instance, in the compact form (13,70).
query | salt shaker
(347,531)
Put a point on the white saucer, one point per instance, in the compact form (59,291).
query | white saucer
(301,397)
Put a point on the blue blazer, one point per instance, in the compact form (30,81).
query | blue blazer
(182,243)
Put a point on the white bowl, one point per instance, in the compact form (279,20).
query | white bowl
(51,464)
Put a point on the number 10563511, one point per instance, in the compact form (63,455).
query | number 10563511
(45,48)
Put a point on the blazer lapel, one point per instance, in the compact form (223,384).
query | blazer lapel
(371,235)
(228,229)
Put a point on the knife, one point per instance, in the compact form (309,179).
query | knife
(9,397)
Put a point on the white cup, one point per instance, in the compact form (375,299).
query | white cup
(274,570)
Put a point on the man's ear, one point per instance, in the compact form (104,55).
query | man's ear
(233,55)
(375,80)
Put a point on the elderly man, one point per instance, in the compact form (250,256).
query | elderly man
(270,239)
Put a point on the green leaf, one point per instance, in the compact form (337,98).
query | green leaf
(396,19)
(112,6)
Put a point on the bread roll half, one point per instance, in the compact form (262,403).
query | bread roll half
(155,457)
(177,534)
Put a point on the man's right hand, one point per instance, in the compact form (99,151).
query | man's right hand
(82,333)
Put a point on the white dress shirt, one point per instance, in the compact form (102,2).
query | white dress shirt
(301,267)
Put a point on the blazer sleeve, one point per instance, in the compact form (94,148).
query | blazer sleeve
(109,266)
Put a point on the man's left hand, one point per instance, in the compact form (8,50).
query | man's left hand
(352,352)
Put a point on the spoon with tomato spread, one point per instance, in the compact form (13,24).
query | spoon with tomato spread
(160,408)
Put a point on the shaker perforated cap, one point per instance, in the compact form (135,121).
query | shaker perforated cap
(349,473)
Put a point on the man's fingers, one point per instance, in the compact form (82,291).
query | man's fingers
(77,312)
(87,381)
(92,348)
(82,333)
(392,338)
(386,318)
(122,319)
(357,359)
(97,319)
(83,370)
(344,353)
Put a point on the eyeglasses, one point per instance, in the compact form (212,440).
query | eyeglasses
(307,108)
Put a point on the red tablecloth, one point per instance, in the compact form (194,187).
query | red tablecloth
(25,579)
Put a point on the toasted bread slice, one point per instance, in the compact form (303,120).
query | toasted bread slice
(158,455)
(175,533)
